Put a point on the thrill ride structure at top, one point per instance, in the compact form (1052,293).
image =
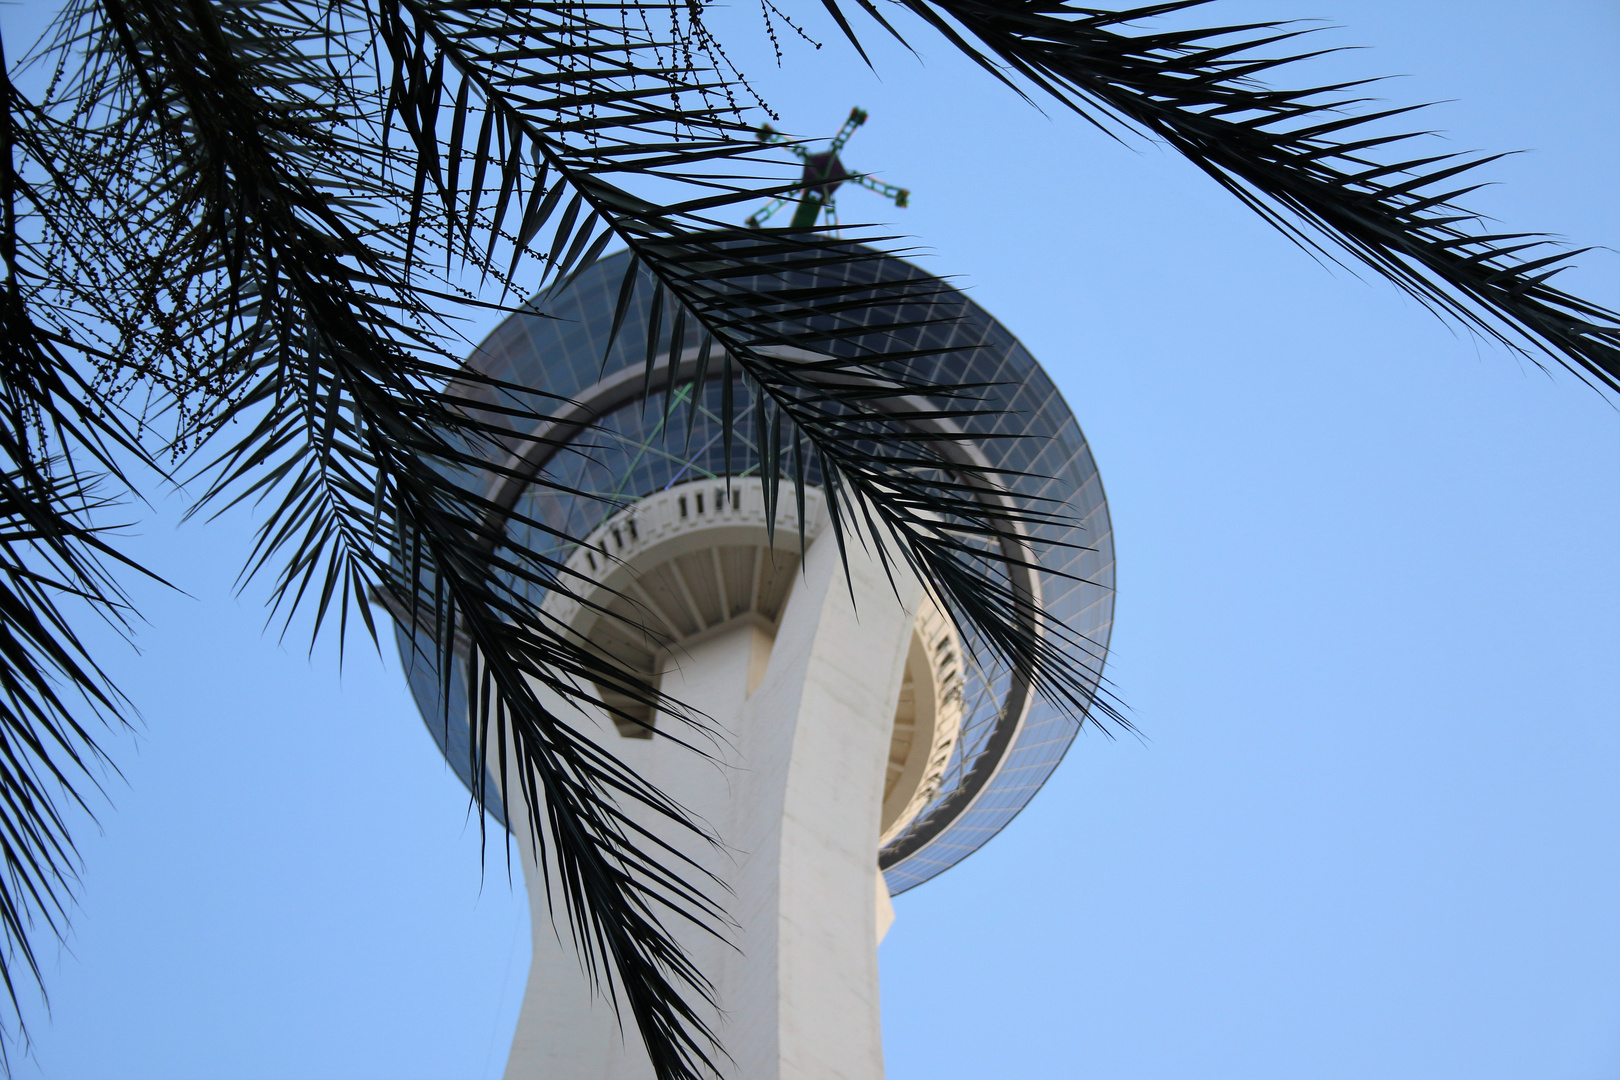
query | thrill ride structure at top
(823,173)
(868,741)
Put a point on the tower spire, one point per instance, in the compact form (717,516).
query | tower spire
(823,173)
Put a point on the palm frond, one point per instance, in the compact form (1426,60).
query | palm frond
(62,453)
(252,193)
(1319,163)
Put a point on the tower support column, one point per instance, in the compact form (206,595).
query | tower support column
(798,801)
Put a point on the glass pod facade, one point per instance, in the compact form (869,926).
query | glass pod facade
(625,448)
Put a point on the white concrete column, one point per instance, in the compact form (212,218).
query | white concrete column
(798,800)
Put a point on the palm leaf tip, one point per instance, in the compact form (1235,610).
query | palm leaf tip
(1313,162)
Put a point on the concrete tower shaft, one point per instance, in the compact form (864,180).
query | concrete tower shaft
(833,706)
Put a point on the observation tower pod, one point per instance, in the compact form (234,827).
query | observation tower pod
(863,743)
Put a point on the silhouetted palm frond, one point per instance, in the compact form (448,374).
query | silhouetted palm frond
(1318,163)
(59,466)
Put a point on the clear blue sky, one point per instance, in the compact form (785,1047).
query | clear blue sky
(1367,621)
